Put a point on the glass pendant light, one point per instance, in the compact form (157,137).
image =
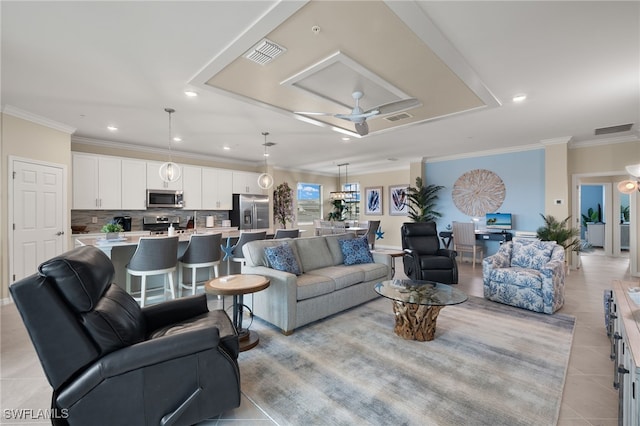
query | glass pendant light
(169,171)
(265,180)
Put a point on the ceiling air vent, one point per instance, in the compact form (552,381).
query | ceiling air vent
(398,117)
(613,129)
(264,52)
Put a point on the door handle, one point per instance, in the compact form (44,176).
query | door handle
(60,233)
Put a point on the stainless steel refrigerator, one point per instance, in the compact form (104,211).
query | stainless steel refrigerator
(250,211)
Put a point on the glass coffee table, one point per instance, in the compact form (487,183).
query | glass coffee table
(416,305)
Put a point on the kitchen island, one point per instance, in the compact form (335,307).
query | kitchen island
(121,250)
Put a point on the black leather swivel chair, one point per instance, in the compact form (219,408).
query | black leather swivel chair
(111,362)
(423,258)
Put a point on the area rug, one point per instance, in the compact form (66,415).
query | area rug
(489,364)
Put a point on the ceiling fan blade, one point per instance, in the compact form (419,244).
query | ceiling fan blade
(397,106)
(356,118)
(362,128)
(313,113)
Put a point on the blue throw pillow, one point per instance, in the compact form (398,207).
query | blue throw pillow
(282,258)
(355,251)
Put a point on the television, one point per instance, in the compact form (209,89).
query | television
(499,221)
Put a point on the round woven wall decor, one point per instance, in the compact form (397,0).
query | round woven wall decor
(478,192)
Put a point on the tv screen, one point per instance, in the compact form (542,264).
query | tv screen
(498,221)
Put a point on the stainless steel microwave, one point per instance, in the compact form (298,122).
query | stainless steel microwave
(164,198)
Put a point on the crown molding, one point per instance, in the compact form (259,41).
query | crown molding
(607,141)
(37,119)
(562,140)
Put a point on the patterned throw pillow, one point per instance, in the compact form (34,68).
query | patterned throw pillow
(281,258)
(355,251)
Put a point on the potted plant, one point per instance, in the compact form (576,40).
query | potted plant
(112,229)
(340,209)
(422,200)
(283,205)
(560,232)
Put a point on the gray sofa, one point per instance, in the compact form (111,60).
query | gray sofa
(325,287)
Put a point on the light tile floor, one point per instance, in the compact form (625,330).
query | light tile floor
(588,399)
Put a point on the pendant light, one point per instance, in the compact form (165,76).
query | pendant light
(342,194)
(169,171)
(265,180)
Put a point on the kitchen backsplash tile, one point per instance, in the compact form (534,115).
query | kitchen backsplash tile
(83,217)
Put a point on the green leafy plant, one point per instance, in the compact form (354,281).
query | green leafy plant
(339,212)
(422,201)
(624,213)
(560,232)
(112,226)
(592,216)
(283,205)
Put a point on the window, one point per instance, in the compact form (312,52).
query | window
(309,203)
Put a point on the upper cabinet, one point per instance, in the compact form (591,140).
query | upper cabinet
(217,189)
(97,182)
(246,183)
(192,187)
(134,184)
(155,182)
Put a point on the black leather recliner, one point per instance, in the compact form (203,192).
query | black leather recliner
(111,362)
(423,258)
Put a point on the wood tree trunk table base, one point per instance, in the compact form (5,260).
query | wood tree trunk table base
(415,322)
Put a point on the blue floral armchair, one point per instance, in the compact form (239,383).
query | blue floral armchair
(526,273)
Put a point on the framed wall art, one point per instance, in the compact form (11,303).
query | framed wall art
(373,200)
(398,200)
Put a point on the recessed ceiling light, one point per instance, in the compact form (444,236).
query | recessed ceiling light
(191,93)
(177,139)
(346,139)
(112,128)
(226,148)
(519,98)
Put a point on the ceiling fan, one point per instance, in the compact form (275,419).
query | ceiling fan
(359,117)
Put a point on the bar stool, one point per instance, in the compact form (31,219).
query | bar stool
(245,237)
(203,251)
(286,233)
(153,256)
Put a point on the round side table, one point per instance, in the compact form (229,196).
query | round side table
(237,286)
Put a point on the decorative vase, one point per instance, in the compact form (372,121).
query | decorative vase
(113,235)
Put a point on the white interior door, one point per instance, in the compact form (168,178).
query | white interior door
(38,215)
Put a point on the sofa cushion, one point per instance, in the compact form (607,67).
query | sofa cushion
(521,277)
(313,253)
(116,321)
(282,258)
(334,246)
(373,271)
(310,285)
(355,251)
(531,254)
(343,276)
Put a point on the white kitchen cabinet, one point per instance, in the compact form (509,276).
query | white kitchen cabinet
(595,234)
(192,187)
(97,182)
(155,182)
(246,183)
(134,184)
(217,189)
